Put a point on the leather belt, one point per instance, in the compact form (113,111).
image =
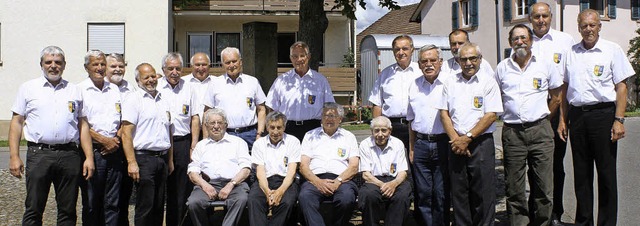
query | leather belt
(526,124)
(71,146)
(151,153)
(432,137)
(300,123)
(241,129)
(600,105)
(402,120)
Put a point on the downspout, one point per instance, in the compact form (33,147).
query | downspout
(499,58)
(561,15)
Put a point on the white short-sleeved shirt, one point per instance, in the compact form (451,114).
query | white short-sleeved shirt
(51,113)
(524,93)
(469,100)
(152,120)
(101,107)
(391,89)
(200,88)
(553,48)
(387,162)
(452,67)
(220,160)
(180,100)
(422,98)
(276,158)
(300,98)
(592,74)
(126,87)
(329,154)
(238,99)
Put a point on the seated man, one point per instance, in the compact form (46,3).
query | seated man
(224,160)
(329,160)
(384,169)
(276,158)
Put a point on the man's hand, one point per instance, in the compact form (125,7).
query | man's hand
(460,144)
(109,145)
(134,171)
(87,168)
(276,197)
(209,190)
(224,192)
(411,156)
(617,131)
(562,131)
(323,185)
(388,189)
(171,167)
(16,167)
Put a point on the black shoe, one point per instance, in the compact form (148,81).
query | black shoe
(556,222)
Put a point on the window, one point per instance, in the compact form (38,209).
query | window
(522,8)
(224,40)
(285,40)
(464,14)
(606,8)
(516,10)
(199,42)
(106,37)
(635,9)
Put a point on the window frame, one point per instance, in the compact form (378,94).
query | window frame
(124,36)
(211,46)
(217,58)
(461,13)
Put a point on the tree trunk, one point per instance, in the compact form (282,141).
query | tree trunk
(313,23)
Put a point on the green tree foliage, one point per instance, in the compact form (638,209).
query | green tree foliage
(634,55)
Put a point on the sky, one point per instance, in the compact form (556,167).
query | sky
(374,12)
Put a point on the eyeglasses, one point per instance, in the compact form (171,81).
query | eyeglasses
(473,59)
(215,123)
(331,116)
(429,61)
(521,37)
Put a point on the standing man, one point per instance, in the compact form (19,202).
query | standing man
(240,95)
(526,81)
(101,107)
(384,169)
(49,109)
(329,161)
(199,79)
(457,38)
(551,46)
(224,161)
(148,145)
(428,142)
(389,94)
(469,107)
(115,73)
(276,159)
(186,129)
(596,73)
(300,93)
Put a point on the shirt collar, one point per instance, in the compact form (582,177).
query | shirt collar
(164,83)
(90,85)
(144,94)
(228,78)
(282,142)
(396,67)
(45,82)
(597,46)
(193,78)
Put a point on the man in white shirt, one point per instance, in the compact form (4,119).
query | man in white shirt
(115,73)
(300,93)
(240,95)
(276,159)
(526,81)
(596,75)
(186,129)
(147,139)
(550,45)
(101,106)
(220,164)
(49,108)
(428,142)
(328,163)
(469,106)
(199,79)
(457,38)
(384,169)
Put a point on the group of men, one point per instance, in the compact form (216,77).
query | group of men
(199,138)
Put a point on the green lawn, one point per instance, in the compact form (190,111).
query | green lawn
(5,143)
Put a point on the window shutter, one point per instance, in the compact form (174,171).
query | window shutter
(454,15)
(506,11)
(474,13)
(584,4)
(108,38)
(611,12)
(635,10)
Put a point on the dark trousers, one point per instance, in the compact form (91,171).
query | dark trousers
(259,208)
(150,189)
(248,136)
(372,203)
(299,130)
(101,194)
(473,183)
(530,146)
(560,150)
(432,185)
(126,187)
(178,184)
(590,134)
(198,203)
(44,166)
(401,131)
(343,201)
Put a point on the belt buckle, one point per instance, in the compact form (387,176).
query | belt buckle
(404,121)
(583,108)
(299,123)
(237,130)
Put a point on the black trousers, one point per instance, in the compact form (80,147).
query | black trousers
(63,168)
(126,187)
(150,189)
(473,183)
(259,208)
(590,134)
(560,150)
(299,130)
(101,194)
(372,203)
(179,186)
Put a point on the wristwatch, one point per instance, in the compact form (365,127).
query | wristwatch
(234,183)
(339,179)
(469,135)
(619,119)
